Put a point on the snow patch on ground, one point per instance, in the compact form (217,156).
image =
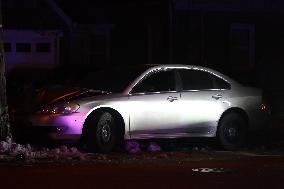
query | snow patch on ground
(27,152)
(153,147)
(132,146)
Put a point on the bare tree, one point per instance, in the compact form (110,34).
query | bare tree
(4,116)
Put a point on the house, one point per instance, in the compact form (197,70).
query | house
(32,34)
(30,48)
(112,32)
(239,37)
(40,34)
(244,38)
(88,32)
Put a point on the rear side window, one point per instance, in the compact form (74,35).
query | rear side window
(196,79)
(220,83)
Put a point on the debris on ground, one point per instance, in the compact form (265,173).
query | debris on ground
(132,146)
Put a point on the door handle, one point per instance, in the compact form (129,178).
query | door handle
(172,98)
(217,96)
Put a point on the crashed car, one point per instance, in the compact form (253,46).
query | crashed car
(154,101)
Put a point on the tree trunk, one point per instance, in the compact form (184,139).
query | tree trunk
(4,116)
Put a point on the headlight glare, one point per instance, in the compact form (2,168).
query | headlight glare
(62,108)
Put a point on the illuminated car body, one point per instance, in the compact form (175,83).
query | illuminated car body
(183,109)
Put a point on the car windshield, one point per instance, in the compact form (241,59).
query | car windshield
(110,79)
(114,79)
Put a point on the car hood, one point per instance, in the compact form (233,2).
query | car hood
(100,97)
(48,95)
(57,94)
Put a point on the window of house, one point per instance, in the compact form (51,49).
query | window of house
(23,47)
(98,43)
(196,79)
(242,46)
(20,4)
(7,47)
(43,47)
(160,81)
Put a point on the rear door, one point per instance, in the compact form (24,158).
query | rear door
(203,101)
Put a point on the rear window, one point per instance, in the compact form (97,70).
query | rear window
(196,79)
(220,83)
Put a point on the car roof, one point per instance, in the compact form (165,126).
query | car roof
(153,67)
(180,66)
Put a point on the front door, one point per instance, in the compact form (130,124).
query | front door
(154,105)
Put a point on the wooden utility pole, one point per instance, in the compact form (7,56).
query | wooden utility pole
(171,31)
(4,116)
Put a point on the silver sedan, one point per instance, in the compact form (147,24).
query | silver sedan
(155,101)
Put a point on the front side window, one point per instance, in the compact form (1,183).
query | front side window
(113,79)
(161,81)
(195,79)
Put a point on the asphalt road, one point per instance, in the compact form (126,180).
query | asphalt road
(265,172)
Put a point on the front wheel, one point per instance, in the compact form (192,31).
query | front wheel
(232,131)
(103,133)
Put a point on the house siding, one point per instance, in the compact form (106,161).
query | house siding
(48,55)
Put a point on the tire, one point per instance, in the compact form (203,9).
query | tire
(103,133)
(232,131)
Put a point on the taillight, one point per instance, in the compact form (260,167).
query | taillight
(264,106)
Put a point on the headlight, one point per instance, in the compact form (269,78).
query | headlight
(62,108)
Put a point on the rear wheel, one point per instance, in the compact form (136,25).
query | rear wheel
(103,133)
(232,131)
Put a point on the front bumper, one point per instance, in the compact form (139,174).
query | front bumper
(54,127)
(56,133)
